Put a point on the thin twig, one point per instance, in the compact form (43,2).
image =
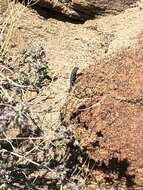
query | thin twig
(11,81)
(31,161)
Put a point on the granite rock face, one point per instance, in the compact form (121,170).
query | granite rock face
(105,111)
(85,9)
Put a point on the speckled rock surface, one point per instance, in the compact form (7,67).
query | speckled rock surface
(105,110)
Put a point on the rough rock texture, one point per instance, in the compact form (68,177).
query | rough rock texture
(84,9)
(105,110)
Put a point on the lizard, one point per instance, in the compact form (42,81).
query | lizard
(73,77)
